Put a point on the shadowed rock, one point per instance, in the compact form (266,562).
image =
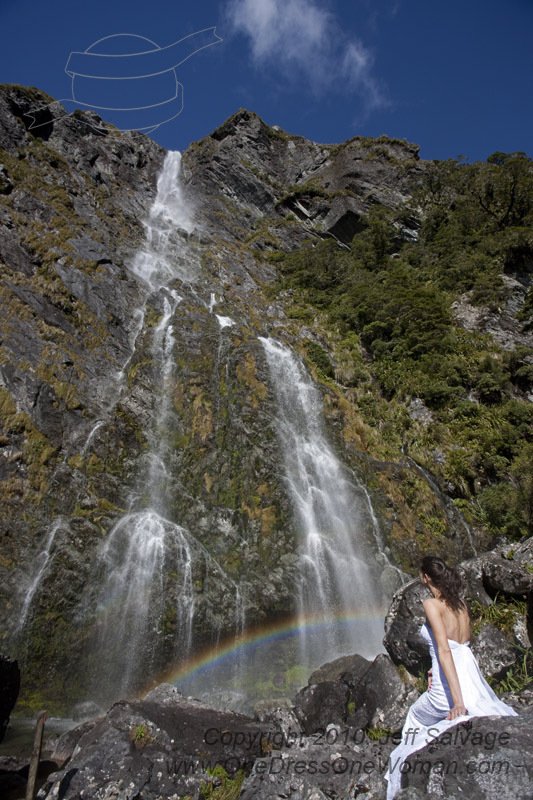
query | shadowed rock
(9,690)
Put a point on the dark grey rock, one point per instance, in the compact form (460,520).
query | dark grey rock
(6,185)
(319,705)
(402,628)
(9,690)
(494,652)
(281,713)
(313,770)
(520,699)
(160,746)
(414,794)
(65,745)
(348,669)
(382,696)
(508,568)
(489,755)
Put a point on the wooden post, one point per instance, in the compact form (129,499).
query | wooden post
(35,755)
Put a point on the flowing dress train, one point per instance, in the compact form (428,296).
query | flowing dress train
(431,708)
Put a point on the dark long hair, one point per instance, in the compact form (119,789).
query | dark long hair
(446,579)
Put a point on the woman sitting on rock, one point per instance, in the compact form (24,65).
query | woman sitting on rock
(457,689)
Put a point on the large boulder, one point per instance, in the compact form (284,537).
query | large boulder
(488,758)
(329,696)
(322,704)
(349,669)
(402,638)
(281,713)
(161,746)
(9,690)
(382,696)
(494,652)
(339,765)
(508,569)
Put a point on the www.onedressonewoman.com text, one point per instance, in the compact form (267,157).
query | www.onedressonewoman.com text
(243,742)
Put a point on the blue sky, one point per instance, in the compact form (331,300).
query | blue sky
(456,77)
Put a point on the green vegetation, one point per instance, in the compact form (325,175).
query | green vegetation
(519,676)
(222,787)
(375,734)
(503,614)
(141,736)
(389,303)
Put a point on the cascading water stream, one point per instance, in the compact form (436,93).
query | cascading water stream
(149,565)
(339,577)
(152,574)
(40,567)
(149,569)
(455,518)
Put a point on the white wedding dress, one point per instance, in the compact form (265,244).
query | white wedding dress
(431,708)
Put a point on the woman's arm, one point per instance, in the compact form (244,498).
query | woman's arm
(431,607)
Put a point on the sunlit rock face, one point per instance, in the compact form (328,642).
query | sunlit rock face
(147,506)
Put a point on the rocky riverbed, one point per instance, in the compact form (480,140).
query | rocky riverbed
(332,740)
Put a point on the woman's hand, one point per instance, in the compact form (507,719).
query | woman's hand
(457,711)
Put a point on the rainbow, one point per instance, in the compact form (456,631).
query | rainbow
(222,653)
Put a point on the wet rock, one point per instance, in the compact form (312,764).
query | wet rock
(14,775)
(66,744)
(9,690)
(281,713)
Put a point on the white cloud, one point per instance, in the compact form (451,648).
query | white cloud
(300,39)
(357,69)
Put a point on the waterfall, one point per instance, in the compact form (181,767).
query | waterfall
(162,258)
(39,573)
(453,515)
(149,567)
(339,574)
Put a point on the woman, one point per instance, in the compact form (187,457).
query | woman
(456,689)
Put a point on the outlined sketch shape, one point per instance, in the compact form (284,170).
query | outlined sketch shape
(139,65)
(156,61)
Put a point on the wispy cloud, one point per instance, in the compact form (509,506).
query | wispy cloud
(300,39)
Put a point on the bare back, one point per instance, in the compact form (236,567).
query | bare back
(456,623)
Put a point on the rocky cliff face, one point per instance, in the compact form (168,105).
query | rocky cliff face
(81,380)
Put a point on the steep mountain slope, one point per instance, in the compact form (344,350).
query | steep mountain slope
(123,391)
